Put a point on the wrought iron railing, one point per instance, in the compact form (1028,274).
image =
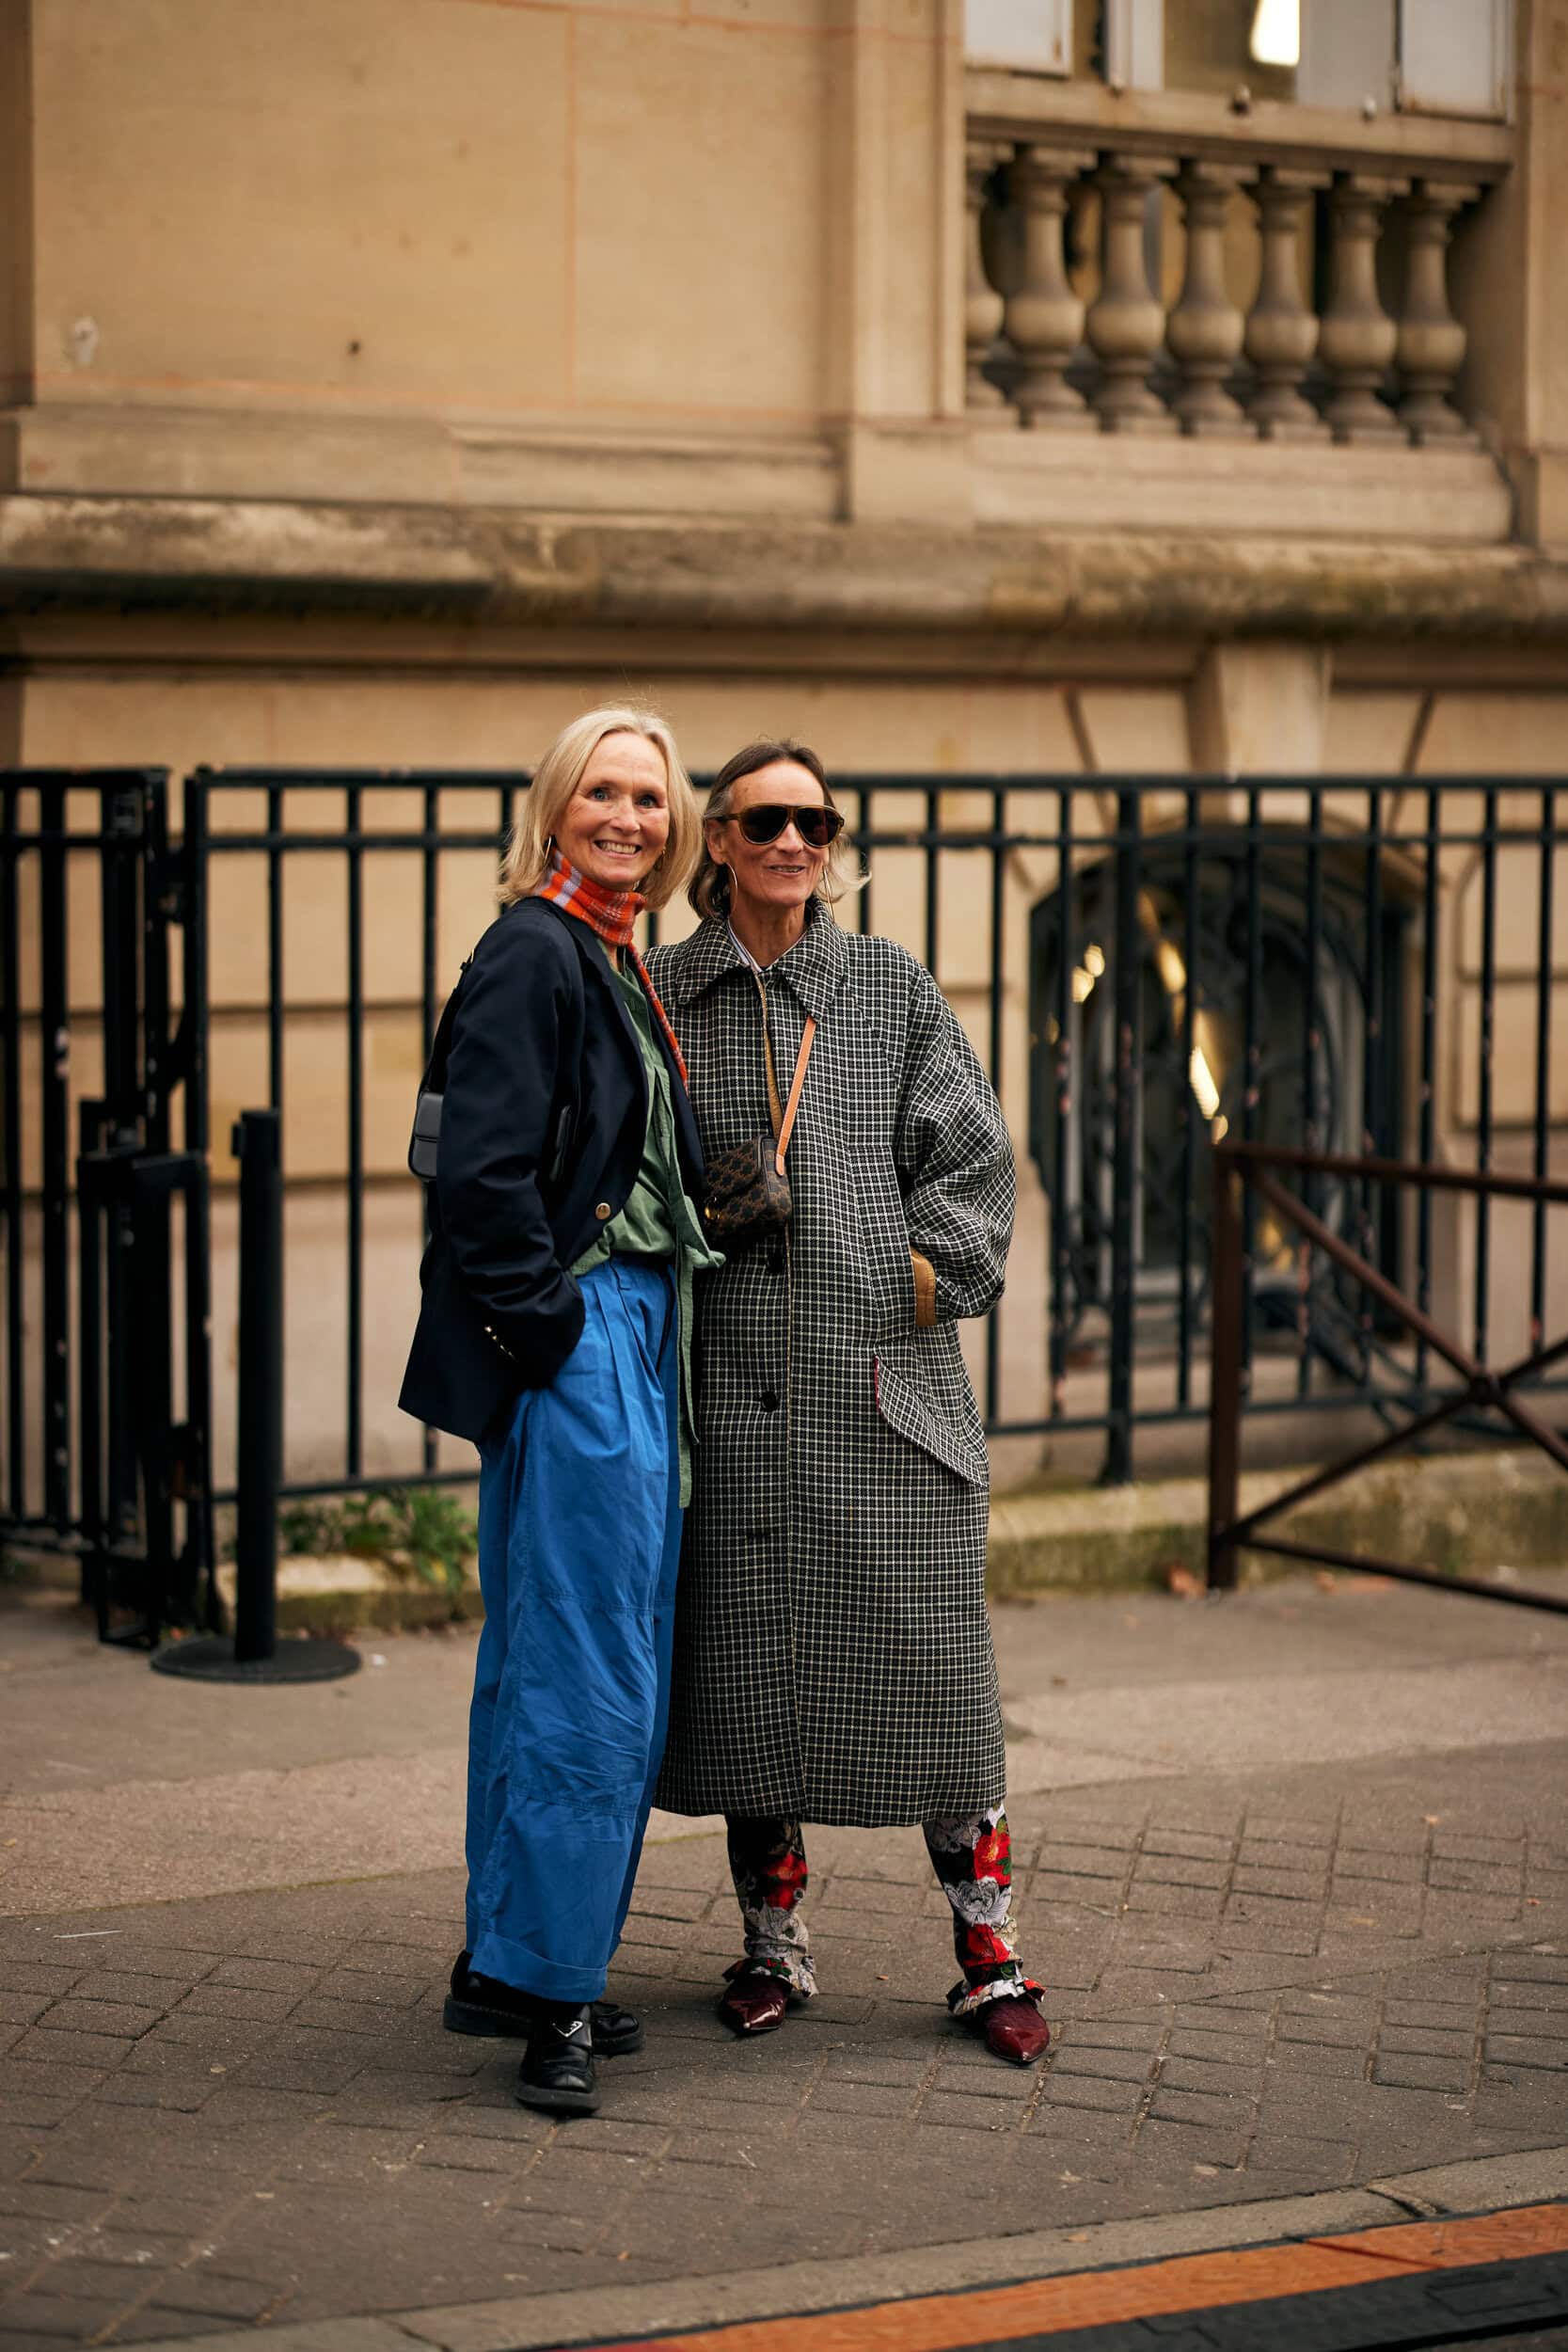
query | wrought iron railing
(1147,965)
(103,1193)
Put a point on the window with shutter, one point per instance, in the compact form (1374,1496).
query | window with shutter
(1347,53)
(1454,59)
(1135,45)
(1034,36)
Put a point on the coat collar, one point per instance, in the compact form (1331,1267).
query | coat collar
(814,969)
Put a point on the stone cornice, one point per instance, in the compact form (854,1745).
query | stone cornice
(502,567)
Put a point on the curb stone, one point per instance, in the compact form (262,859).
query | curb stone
(527,2324)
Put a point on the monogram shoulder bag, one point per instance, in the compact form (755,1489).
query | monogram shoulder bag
(748,1190)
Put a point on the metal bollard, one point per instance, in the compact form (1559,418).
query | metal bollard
(258,1148)
(254,1654)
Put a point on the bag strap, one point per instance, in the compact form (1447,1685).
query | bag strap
(435,1079)
(795,1085)
(775,1108)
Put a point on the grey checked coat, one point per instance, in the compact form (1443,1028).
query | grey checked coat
(833,1655)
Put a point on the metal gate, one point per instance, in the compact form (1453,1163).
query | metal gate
(107,1370)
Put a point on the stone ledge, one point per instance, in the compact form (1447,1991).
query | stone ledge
(337,1593)
(1454,495)
(187,451)
(1468,1514)
(490,567)
(934,473)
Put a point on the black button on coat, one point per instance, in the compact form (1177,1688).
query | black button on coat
(543,1124)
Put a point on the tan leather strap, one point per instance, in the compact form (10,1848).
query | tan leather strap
(795,1085)
(775,1110)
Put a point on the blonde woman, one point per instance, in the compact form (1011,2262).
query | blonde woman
(554,1331)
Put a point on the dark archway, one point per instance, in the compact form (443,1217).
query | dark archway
(1276,943)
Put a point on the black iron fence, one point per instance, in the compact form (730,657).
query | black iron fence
(260,829)
(1315,963)
(1361,966)
(105,1365)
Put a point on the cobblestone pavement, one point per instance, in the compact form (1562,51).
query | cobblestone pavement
(244,2109)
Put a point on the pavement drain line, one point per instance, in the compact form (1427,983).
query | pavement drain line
(585,2315)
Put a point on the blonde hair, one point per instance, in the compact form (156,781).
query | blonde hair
(709,889)
(558,776)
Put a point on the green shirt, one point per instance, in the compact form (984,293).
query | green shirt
(659,1220)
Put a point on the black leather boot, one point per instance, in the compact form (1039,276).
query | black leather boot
(483,2005)
(557,2072)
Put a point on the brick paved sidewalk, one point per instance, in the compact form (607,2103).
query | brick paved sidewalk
(244,2109)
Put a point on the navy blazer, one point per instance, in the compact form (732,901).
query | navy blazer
(542,1124)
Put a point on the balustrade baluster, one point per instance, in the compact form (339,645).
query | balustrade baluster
(1204,331)
(982,303)
(1126,325)
(1044,317)
(1281,332)
(1324,354)
(1356,337)
(1431,341)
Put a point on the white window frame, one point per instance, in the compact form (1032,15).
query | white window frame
(1135,45)
(1025,36)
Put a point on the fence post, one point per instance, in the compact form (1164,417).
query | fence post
(1225,1370)
(1126,1114)
(54,1039)
(254,1654)
(90,1117)
(258,1147)
(188,1067)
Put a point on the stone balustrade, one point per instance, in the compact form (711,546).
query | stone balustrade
(1103,273)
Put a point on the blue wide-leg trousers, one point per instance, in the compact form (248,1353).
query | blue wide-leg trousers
(579,1529)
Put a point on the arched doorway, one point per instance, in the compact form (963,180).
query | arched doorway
(1278,945)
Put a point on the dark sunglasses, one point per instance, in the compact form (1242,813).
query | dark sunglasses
(767,821)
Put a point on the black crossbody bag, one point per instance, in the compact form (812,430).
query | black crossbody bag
(424,1142)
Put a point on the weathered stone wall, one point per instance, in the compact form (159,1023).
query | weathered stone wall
(387,248)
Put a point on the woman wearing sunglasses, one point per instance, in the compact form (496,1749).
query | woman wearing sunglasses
(833,1656)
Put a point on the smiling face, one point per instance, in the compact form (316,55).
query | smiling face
(617,821)
(769,877)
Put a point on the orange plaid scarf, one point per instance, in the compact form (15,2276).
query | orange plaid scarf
(613,914)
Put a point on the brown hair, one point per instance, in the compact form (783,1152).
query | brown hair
(709,888)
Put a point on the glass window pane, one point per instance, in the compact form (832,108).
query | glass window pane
(1209,45)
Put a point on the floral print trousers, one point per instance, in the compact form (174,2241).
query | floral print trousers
(972,1855)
